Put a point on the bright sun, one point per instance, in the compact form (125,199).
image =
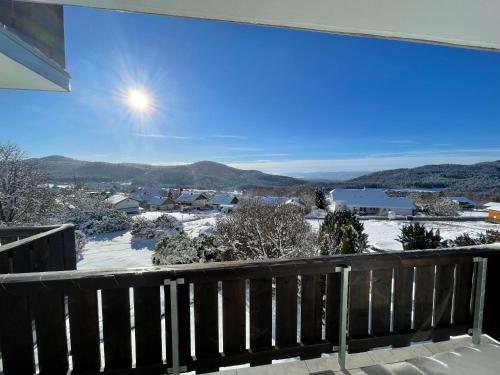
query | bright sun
(138,100)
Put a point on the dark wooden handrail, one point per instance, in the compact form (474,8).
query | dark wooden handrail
(209,272)
(25,231)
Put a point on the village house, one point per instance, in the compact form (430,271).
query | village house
(221,200)
(142,194)
(189,199)
(464,203)
(371,202)
(493,212)
(159,203)
(123,203)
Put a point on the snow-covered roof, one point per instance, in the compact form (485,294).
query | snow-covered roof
(156,201)
(370,198)
(222,199)
(138,197)
(492,206)
(190,197)
(462,200)
(117,198)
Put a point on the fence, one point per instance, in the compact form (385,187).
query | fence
(196,317)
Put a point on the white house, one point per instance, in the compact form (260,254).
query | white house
(158,203)
(123,203)
(192,199)
(464,203)
(371,202)
(219,200)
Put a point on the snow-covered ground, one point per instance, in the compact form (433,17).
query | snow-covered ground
(474,213)
(120,250)
(383,234)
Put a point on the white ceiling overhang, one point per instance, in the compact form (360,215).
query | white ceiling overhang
(26,68)
(466,23)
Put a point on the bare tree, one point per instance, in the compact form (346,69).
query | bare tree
(24,197)
(256,231)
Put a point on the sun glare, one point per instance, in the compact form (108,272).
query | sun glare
(138,100)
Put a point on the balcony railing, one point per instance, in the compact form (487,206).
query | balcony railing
(37,249)
(205,316)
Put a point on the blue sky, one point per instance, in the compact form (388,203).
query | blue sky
(255,97)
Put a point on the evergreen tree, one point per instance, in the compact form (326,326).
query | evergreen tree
(320,199)
(415,236)
(342,233)
(348,241)
(466,239)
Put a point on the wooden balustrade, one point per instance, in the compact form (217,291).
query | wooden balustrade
(219,303)
(37,249)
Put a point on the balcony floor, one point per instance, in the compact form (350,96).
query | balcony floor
(454,357)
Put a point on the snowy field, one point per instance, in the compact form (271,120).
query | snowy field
(120,250)
(382,234)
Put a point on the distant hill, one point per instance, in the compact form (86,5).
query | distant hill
(326,176)
(481,177)
(203,174)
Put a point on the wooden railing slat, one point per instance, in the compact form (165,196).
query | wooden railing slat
(444,295)
(206,320)
(184,321)
(50,323)
(116,328)
(233,318)
(381,302)
(69,255)
(84,328)
(312,309)
(56,254)
(403,288)
(359,289)
(463,293)
(261,299)
(21,259)
(424,292)
(147,311)
(4,263)
(286,311)
(443,299)
(40,255)
(16,335)
(332,308)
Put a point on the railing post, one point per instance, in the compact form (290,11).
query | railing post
(344,295)
(477,327)
(174,319)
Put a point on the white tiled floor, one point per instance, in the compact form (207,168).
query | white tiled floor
(355,362)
